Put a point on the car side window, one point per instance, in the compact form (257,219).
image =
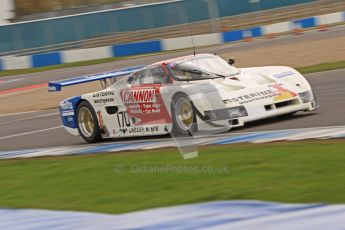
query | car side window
(135,78)
(155,75)
(147,77)
(152,75)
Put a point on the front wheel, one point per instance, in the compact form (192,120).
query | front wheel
(183,116)
(87,123)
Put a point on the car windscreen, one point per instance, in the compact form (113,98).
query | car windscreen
(202,67)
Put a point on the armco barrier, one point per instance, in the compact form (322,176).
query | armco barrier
(120,50)
(71,28)
(276,28)
(232,36)
(40,60)
(306,22)
(86,54)
(21,62)
(329,18)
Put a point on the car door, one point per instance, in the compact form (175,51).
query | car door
(143,98)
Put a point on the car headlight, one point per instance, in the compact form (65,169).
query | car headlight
(306,96)
(238,111)
(226,114)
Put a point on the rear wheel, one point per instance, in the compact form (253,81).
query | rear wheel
(183,116)
(87,123)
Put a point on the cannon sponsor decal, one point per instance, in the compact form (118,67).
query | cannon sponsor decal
(138,96)
(146,105)
(144,108)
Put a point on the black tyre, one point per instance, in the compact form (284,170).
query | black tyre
(87,123)
(183,116)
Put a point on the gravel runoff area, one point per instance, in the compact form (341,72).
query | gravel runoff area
(297,54)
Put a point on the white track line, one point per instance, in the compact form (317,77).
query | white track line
(11,80)
(32,132)
(14,114)
(29,118)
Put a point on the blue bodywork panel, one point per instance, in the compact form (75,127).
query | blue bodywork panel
(68,110)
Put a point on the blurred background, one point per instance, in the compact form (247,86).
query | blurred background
(36,26)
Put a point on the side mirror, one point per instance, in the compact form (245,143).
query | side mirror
(231,61)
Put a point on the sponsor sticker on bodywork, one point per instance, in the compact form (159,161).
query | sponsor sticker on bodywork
(283,74)
(251,97)
(138,96)
(66,108)
(282,93)
(277,93)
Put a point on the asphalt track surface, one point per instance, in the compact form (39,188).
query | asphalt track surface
(43,129)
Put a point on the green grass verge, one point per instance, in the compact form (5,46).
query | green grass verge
(322,67)
(116,183)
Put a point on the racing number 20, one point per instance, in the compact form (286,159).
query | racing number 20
(123,119)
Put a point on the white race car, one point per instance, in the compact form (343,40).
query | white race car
(182,96)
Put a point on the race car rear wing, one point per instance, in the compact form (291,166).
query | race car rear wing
(58,85)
